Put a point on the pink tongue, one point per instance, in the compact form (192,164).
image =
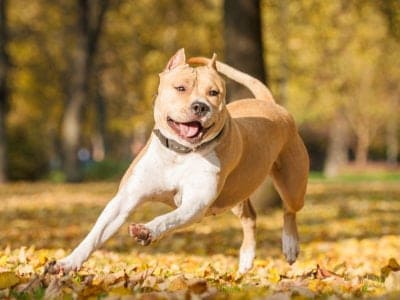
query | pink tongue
(189,130)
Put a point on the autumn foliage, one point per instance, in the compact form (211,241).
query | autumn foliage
(349,238)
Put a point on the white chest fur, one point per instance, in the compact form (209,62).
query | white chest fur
(163,170)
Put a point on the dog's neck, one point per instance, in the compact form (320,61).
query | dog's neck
(182,149)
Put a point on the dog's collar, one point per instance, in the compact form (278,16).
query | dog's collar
(179,148)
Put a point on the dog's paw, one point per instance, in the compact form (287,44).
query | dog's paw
(140,233)
(246,260)
(52,267)
(63,266)
(290,248)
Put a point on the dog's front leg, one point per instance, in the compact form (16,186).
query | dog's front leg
(196,198)
(109,221)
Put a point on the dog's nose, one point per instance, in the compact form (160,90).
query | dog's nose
(200,108)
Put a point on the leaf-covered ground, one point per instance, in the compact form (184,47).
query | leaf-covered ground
(350,246)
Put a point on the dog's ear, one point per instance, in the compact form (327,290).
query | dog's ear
(213,62)
(177,60)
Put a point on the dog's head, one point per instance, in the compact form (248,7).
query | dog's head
(190,105)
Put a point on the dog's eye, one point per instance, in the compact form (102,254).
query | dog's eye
(213,93)
(180,88)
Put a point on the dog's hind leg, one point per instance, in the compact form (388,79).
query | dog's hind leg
(290,174)
(245,211)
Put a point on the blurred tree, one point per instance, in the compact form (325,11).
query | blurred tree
(38,80)
(338,145)
(368,108)
(4,67)
(243,41)
(340,56)
(333,88)
(390,62)
(89,22)
(283,20)
(391,11)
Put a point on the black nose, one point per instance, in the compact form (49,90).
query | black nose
(199,108)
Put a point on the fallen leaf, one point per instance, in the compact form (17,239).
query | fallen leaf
(22,259)
(155,296)
(303,292)
(197,286)
(140,277)
(32,284)
(178,284)
(8,279)
(392,281)
(3,260)
(280,296)
(322,273)
(392,266)
(120,291)
(54,289)
(349,254)
(274,275)
(150,282)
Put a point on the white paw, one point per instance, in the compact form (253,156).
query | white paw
(64,265)
(70,263)
(290,247)
(246,260)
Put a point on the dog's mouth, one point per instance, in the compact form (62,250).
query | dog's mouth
(192,131)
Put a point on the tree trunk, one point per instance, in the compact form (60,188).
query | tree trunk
(283,79)
(363,141)
(243,41)
(338,143)
(4,67)
(78,92)
(99,136)
(89,24)
(392,142)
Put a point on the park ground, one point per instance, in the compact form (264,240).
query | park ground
(350,247)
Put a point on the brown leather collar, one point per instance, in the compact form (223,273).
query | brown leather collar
(179,148)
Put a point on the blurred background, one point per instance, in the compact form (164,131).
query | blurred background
(78,77)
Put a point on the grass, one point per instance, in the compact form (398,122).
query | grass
(349,232)
(359,176)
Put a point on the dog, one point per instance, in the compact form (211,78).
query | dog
(205,157)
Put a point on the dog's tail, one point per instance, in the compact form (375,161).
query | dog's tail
(256,87)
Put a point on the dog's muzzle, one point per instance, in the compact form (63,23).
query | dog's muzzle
(200,109)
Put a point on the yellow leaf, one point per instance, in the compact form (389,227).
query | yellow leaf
(43,257)
(314,285)
(8,279)
(120,291)
(392,282)
(197,286)
(273,275)
(178,284)
(3,260)
(394,265)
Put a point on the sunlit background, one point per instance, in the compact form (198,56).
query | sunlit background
(79,77)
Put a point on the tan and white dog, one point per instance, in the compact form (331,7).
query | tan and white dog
(205,157)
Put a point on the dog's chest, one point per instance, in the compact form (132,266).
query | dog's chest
(165,171)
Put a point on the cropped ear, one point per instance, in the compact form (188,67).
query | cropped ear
(213,62)
(177,60)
